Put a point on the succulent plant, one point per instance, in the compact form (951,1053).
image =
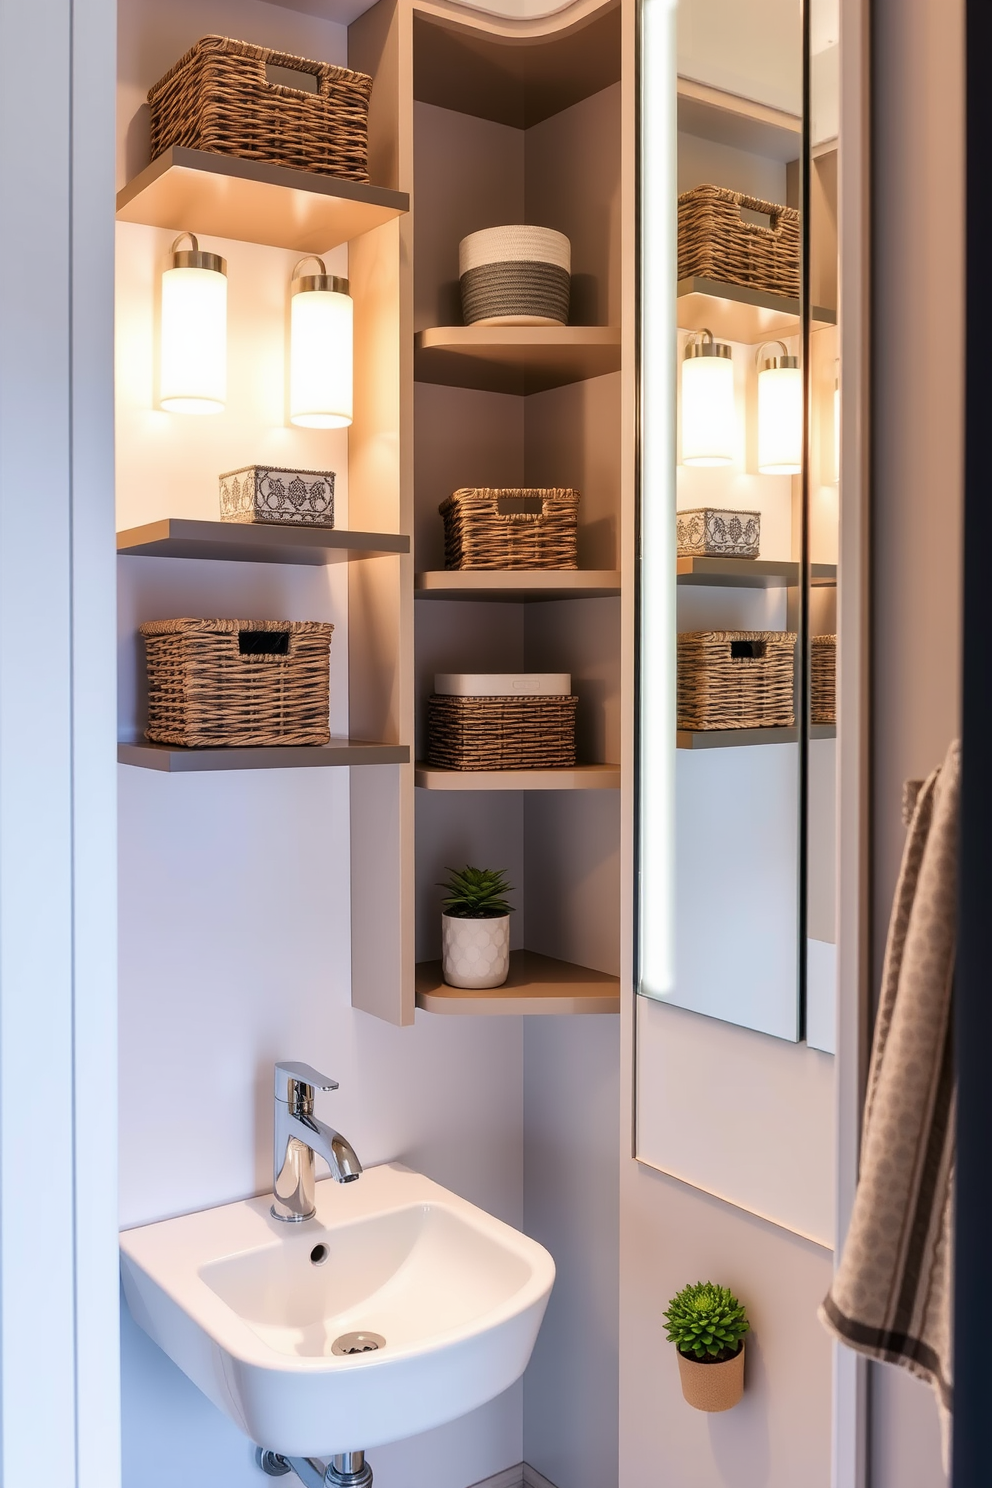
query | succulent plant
(706,1322)
(476,894)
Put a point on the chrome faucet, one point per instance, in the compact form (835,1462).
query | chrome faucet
(298,1136)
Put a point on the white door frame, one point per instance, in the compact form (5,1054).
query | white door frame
(59,1334)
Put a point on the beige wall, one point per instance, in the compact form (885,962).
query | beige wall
(917,500)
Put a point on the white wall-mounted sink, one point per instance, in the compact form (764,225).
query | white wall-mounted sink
(249,1308)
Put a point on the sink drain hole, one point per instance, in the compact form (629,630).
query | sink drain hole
(318,1255)
(358,1343)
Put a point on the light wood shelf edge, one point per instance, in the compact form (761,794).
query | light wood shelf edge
(517,584)
(537,986)
(578,777)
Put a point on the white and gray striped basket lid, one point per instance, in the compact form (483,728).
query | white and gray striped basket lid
(514,244)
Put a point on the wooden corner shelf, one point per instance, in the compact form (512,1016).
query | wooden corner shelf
(224,197)
(575,777)
(750,573)
(537,986)
(516,585)
(515,359)
(735,312)
(254,542)
(178,761)
(747,737)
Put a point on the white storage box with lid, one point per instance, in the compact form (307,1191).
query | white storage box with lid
(515,275)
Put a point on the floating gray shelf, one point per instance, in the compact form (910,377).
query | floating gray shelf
(747,737)
(516,585)
(255,542)
(750,573)
(178,761)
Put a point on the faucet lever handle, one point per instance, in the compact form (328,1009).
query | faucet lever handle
(289,1071)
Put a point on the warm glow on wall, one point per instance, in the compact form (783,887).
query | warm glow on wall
(709,419)
(321,335)
(193,366)
(780,412)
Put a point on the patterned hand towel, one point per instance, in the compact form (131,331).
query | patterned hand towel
(891,1294)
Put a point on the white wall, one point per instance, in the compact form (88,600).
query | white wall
(234,888)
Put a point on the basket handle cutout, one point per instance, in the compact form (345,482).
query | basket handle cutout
(263,642)
(765,216)
(292,77)
(520,506)
(747,650)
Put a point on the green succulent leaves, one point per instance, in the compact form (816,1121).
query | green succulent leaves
(476,894)
(706,1322)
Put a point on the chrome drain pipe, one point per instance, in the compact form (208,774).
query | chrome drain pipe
(348,1470)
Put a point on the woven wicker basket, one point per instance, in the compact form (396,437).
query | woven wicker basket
(734,679)
(510,528)
(500,733)
(823,679)
(237,682)
(716,243)
(218,98)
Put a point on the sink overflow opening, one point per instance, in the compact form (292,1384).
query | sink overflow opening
(358,1343)
(318,1255)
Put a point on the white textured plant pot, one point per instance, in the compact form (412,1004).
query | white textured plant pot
(475,953)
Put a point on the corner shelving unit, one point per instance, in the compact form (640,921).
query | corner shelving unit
(505,121)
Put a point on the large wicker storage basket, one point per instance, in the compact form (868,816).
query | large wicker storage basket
(715,242)
(488,527)
(823,679)
(237,682)
(218,98)
(500,733)
(735,679)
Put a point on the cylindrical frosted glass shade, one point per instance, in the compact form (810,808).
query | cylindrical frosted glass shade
(709,418)
(193,374)
(780,421)
(320,381)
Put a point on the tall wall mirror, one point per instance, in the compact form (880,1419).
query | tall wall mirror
(739,493)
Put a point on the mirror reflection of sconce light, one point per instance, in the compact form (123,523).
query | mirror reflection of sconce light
(193,351)
(320,354)
(837,426)
(709,420)
(780,412)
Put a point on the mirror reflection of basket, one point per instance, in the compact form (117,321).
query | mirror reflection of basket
(736,679)
(712,532)
(717,242)
(511,527)
(237,682)
(219,97)
(515,276)
(823,679)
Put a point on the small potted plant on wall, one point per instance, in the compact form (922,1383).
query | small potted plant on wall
(707,1324)
(475,928)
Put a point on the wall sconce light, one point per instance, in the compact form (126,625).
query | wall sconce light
(780,412)
(709,421)
(193,366)
(320,349)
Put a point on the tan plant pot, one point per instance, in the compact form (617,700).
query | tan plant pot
(712,1387)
